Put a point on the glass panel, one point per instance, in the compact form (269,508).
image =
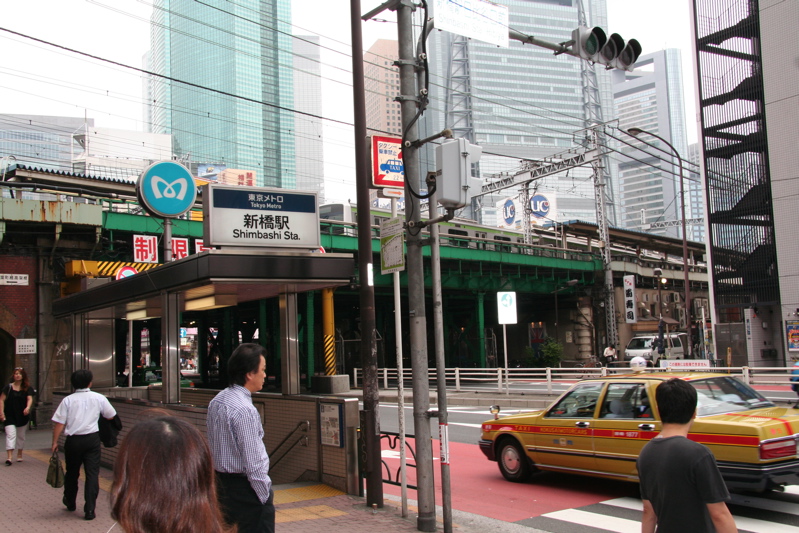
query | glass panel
(580,402)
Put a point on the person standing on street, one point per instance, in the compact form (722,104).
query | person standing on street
(681,486)
(77,417)
(15,412)
(235,434)
(609,354)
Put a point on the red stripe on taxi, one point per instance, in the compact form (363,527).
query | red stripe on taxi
(787,424)
(633,434)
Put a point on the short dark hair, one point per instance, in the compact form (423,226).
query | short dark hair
(676,401)
(245,359)
(81,379)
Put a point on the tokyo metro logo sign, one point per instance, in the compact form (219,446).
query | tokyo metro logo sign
(166,189)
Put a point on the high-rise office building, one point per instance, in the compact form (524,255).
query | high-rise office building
(381,84)
(520,102)
(651,98)
(748,97)
(308,138)
(41,141)
(224,84)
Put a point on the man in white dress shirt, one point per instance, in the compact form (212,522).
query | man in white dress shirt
(77,417)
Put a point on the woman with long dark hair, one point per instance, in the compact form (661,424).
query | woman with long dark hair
(164,480)
(16,400)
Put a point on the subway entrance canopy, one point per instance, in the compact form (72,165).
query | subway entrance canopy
(204,281)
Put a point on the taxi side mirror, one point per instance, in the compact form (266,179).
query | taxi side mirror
(494,410)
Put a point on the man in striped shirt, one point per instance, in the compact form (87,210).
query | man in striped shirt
(236,433)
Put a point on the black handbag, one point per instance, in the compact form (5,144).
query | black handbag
(55,472)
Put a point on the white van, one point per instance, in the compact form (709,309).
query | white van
(646,347)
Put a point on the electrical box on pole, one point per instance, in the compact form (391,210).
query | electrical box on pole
(454,182)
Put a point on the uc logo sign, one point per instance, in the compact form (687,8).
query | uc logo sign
(166,189)
(509,212)
(539,205)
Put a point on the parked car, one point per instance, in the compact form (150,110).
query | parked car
(646,346)
(599,426)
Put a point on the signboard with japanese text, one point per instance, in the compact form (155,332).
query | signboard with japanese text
(388,169)
(13,279)
(257,216)
(392,256)
(331,424)
(145,249)
(26,346)
(684,364)
(199,246)
(180,248)
(630,313)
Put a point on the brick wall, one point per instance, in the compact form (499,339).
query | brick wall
(19,303)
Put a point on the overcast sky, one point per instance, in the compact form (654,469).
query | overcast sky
(37,78)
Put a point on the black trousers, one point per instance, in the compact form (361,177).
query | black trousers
(241,505)
(82,450)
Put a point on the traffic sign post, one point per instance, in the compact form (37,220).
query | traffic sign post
(506,314)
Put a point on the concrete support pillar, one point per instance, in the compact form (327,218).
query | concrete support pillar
(289,349)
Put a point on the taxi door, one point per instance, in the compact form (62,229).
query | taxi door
(624,424)
(563,435)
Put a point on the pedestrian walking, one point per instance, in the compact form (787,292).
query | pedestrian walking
(795,382)
(77,417)
(609,354)
(681,486)
(235,434)
(16,400)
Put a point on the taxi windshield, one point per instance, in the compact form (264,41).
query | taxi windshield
(726,394)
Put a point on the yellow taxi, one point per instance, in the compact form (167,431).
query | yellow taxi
(599,426)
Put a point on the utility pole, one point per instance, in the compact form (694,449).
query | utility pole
(410,104)
(371,398)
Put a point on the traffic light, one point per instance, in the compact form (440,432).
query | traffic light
(592,44)
(455,184)
(588,42)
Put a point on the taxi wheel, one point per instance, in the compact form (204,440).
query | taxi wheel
(513,462)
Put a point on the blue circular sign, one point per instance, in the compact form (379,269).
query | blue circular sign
(509,212)
(539,206)
(166,189)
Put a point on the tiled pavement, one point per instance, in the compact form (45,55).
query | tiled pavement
(29,504)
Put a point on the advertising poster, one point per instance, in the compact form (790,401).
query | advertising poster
(792,334)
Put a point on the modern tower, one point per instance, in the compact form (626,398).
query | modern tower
(381,84)
(224,84)
(308,138)
(651,98)
(520,102)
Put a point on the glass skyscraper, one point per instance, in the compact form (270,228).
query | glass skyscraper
(520,102)
(224,84)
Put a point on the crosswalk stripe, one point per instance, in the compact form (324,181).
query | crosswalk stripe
(576,516)
(766,504)
(761,526)
(627,503)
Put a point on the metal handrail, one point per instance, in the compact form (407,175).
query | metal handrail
(274,458)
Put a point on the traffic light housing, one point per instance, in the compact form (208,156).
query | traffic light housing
(592,44)
(454,181)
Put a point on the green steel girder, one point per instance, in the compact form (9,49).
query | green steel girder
(114,221)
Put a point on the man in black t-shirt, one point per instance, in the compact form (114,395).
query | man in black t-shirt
(681,486)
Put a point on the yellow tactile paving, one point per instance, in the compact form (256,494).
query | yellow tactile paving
(105,483)
(299,494)
(314,512)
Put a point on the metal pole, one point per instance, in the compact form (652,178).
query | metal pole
(371,399)
(556,315)
(167,240)
(505,349)
(426,520)
(441,375)
(635,132)
(400,382)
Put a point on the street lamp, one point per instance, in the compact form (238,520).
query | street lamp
(635,132)
(570,283)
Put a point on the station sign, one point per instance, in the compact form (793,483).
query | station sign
(260,217)
(506,307)
(166,189)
